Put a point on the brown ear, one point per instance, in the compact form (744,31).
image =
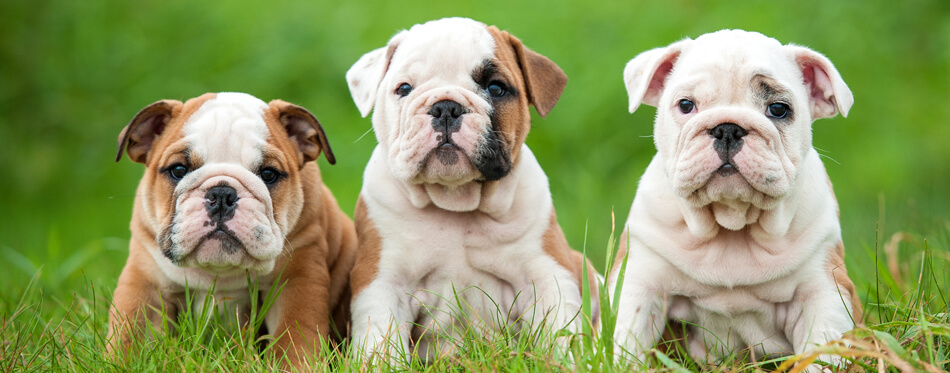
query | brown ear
(543,78)
(139,135)
(304,131)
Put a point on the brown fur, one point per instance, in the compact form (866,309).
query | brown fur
(319,252)
(621,253)
(538,80)
(839,273)
(370,245)
(556,246)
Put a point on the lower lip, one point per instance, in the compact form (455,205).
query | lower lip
(727,170)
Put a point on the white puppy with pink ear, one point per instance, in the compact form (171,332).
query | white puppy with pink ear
(734,229)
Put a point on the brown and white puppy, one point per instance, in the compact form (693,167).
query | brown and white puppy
(734,229)
(452,199)
(230,193)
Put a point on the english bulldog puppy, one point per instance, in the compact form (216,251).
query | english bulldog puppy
(230,193)
(734,229)
(455,219)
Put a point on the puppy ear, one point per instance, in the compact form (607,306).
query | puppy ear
(645,75)
(366,74)
(828,93)
(304,132)
(139,135)
(544,79)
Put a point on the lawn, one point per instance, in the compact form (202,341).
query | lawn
(72,74)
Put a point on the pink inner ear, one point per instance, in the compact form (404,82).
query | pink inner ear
(657,81)
(821,90)
(818,81)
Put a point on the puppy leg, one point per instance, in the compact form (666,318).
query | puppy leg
(641,319)
(821,318)
(555,298)
(300,316)
(137,303)
(643,307)
(382,319)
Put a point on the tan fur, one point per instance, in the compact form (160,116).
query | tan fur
(839,273)
(621,253)
(318,253)
(541,80)
(370,244)
(556,246)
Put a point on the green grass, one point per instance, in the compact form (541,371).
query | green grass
(908,329)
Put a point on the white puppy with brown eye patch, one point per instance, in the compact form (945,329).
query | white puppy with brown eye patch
(734,228)
(453,202)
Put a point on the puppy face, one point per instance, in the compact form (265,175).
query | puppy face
(451,100)
(222,188)
(734,113)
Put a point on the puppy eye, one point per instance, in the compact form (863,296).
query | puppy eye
(496,89)
(403,90)
(176,171)
(686,106)
(270,175)
(778,110)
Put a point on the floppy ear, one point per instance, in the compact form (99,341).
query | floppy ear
(139,135)
(366,74)
(828,93)
(544,79)
(645,75)
(304,132)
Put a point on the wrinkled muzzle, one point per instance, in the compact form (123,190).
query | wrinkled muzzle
(443,136)
(731,154)
(223,219)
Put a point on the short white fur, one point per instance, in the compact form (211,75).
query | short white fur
(746,263)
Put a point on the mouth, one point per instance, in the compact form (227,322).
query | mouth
(727,169)
(229,242)
(447,153)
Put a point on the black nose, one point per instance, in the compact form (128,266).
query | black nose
(221,203)
(446,116)
(728,140)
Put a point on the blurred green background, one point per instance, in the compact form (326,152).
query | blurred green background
(73,73)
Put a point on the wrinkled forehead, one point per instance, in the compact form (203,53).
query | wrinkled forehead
(735,57)
(449,48)
(229,128)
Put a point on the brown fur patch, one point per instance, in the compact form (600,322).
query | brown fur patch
(621,252)
(543,79)
(368,255)
(556,246)
(835,266)
(511,117)
(839,273)
(538,82)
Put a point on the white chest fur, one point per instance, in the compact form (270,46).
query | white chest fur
(440,269)
(773,293)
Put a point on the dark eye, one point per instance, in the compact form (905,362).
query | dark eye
(270,175)
(403,90)
(177,171)
(496,89)
(778,110)
(686,106)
